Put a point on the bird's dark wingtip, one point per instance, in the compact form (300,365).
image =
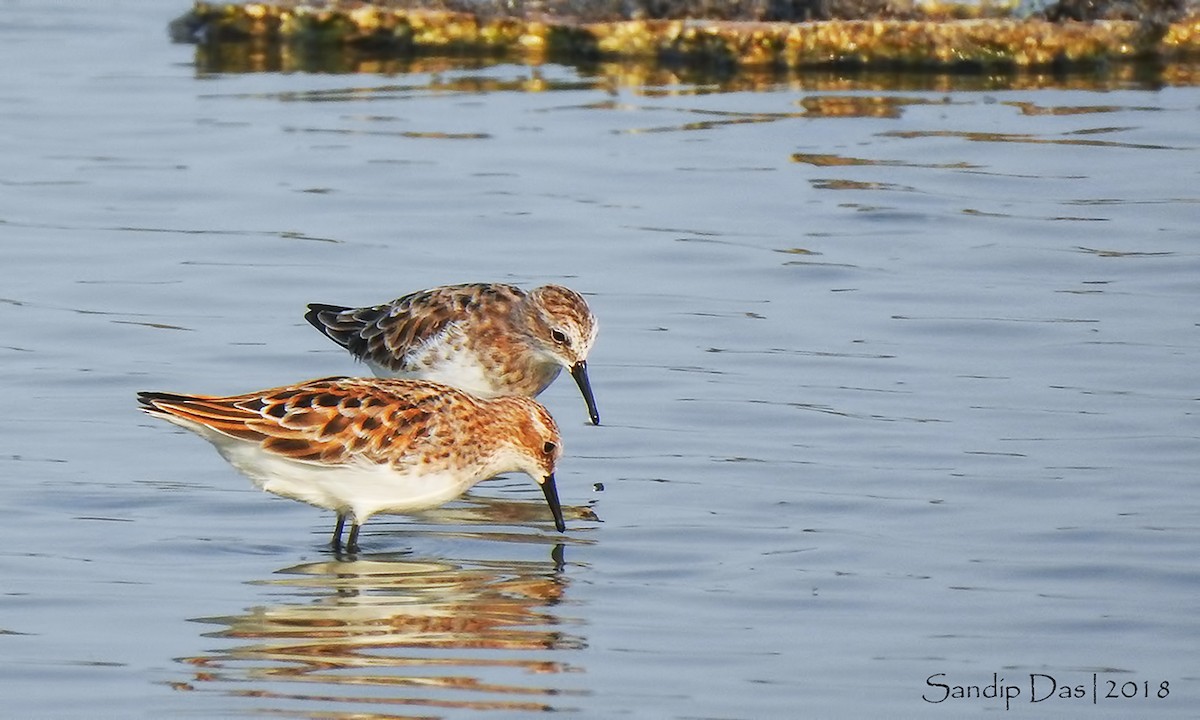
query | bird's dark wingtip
(315,310)
(147,398)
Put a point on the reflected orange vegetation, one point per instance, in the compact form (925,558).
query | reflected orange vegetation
(653,78)
(879,106)
(727,119)
(422,633)
(1020,138)
(1028,108)
(832,184)
(822,160)
(650,79)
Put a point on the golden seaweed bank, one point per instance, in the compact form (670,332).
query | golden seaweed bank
(775,34)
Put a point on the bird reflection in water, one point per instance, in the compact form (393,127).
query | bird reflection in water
(372,635)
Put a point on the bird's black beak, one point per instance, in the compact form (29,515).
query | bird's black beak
(579,372)
(551,493)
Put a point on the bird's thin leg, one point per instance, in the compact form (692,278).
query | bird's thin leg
(336,541)
(352,540)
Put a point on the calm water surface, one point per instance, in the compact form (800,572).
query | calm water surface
(899,385)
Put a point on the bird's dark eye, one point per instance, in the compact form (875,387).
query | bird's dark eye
(549,448)
(559,337)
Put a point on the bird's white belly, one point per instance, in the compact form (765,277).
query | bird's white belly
(457,369)
(362,489)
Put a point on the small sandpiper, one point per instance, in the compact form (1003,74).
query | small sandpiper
(362,446)
(489,339)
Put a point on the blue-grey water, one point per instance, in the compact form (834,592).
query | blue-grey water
(899,388)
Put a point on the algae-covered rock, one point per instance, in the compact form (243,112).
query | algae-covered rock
(894,34)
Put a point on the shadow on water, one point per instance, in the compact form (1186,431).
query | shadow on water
(366,637)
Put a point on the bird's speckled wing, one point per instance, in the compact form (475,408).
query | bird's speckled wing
(388,335)
(331,421)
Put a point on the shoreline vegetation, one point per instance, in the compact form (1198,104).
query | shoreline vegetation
(775,35)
